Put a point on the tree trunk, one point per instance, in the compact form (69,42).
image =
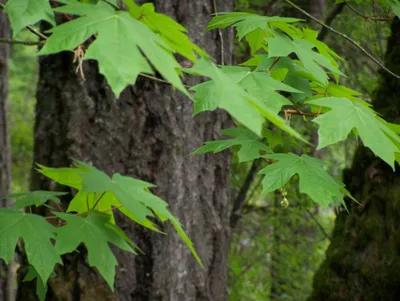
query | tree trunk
(5,153)
(363,262)
(148,133)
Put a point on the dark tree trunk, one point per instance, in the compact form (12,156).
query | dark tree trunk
(5,159)
(363,260)
(148,133)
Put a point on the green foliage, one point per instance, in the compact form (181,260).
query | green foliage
(314,180)
(250,147)
(28,12)
(95,231)
(36,233)
(289,70)
(226,89)
(120,38)
(374,131)
(35,198)
(92,222)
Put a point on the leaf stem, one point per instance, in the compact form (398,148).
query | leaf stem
(274,63)
(87,201)
(98,200)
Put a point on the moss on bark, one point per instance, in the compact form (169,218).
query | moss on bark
(363,260)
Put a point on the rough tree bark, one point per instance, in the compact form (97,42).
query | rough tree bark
(5,159)
(148,133)
(362,262)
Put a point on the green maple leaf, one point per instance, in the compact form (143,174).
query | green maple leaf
(294,74)
(119,41)
(95,231)
(224,91)
(67,176)
(37,198)
(167,28)
(280,45)
(335,90)
(41,287)
(346,115)
(313,179)
(97,191)
(262,86)
(28,12)
(245,22)
(36,233)
(250,146)
(256,40)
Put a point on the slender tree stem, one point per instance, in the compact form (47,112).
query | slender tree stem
(13,42)
(241,197)
(318,224)
(376,61)
(221,37)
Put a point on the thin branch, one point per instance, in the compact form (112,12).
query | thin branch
(334,13)
(241,197)
(221,38)
(344,37)
(318,224)
(367,18)
(38,33)
(17,42)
